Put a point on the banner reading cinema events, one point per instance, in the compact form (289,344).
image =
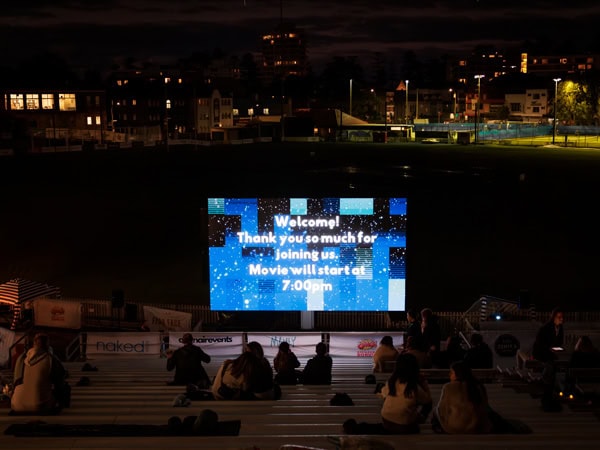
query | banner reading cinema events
(215,344)
(360,345)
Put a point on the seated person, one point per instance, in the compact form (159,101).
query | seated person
(463,404)
(264,387)
(39,377)
(407,402)
(384,352)
(479,356)
(585,355)
(187,362)
(413,347)
(242,379)
(318,368)
(285,364)
(453,352)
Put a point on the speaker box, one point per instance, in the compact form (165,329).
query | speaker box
(118,298)
(130,312)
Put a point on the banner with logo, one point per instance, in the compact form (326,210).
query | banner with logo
(506,341)
(215,344)
(302,344)
(7,337)
(57,313)
(360,345)
(123,343)
(159,319)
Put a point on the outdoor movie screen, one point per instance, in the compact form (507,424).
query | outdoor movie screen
(307,254)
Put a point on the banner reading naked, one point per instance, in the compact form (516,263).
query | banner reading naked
(360,345)
(123,343)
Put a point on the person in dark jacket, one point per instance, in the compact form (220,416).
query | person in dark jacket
(318,368)
(187,363)
(548,342)
(413,328)
(285,364)
(432,335)
(585,355)
(479,356)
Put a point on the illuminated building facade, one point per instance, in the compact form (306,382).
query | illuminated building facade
(283,53)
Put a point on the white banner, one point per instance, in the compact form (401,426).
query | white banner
(159,319)
(7,337)
(57,313)
(302,344)
(361,345)
(123,343)
(214,344)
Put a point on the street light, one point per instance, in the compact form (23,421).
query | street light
(406,105)
(478,78)
(556,80)
(350,109)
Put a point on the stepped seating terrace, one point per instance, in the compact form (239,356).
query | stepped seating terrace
(134,391)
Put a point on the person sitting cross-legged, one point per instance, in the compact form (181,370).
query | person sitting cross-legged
(38,380)
(318,368)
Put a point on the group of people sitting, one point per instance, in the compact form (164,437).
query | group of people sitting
(462,408)
(422,339)
(250,376)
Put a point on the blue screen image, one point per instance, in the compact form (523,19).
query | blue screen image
(307,254)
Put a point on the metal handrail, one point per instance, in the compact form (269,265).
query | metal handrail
(72,347)
(17,342)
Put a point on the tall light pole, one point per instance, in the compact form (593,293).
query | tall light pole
(478,78)
(350,109)
(556,80)
(406,105)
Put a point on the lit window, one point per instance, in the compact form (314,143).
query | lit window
(167,80)
(16,101)
(97,99)
(125,81)
(168,105)
(119,83)
(134,102)
(563,60)
(266,111)
(98,120)
(89,120)
(47,101)
(66,102)
(236,112)
(33,101)
(250,111)
(179,80)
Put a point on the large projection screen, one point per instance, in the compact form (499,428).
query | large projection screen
(307,254)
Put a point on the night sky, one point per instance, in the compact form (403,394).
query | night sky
(88,31)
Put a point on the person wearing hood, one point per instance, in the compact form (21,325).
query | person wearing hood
(39,375)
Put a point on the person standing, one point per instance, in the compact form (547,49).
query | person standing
(548,343)
(413,329)
(187,363)
(432,335)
